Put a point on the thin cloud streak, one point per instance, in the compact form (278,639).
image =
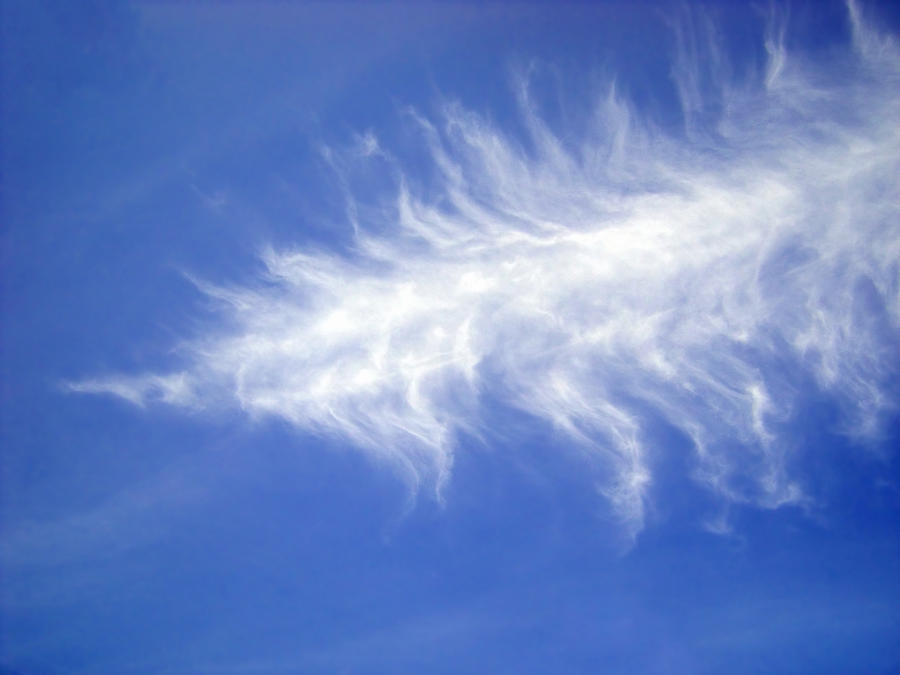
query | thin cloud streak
(702,278)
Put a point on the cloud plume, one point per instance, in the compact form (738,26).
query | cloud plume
(705,277)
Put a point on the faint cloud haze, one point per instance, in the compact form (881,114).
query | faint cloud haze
(703,278)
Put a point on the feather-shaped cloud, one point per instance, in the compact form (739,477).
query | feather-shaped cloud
(701,277)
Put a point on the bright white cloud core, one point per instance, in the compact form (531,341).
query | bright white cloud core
(705,278)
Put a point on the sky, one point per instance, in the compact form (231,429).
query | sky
(449,337)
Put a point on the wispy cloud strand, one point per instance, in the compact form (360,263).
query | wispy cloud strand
(704,278)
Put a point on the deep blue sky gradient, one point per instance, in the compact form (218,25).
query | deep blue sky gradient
(143,141)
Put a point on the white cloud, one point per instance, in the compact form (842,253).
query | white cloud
(175,389)
(700,278)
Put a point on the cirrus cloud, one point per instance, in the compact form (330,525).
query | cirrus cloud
(699,277)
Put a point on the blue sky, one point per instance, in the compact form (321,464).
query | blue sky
(517,338)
